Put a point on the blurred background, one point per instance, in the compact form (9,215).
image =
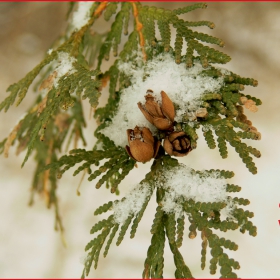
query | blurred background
(30,248)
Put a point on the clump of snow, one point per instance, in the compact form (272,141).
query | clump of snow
(82,15)
(183,86)
(182,183)
(50,51)
(64,66)
(132,204)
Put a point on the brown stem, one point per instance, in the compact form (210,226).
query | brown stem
(100,9)
(139,27)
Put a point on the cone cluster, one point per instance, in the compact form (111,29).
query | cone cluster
(143,146)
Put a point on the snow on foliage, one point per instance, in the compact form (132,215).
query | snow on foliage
(182,183)
(82,15)
(64,66)
(132,204)
(183,86)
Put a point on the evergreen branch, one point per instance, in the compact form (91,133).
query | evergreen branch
(190,8)
(20,89)
(224,130)
(45,128)
(110,10)
(96,245)
(182,270)
(82,82)
(139,216)
(200,23)
(208,135)
(202,223)
(126,12)
(111,225)
(221,258)
(180,231)
(71,46)
(52,106)
(118,161)
(178,47)
(165,33)
(207,38)
(153,265)
(113,38)
(111,237)
(157,219)
(211,55)
(124,229)
(45,183)
(104,208)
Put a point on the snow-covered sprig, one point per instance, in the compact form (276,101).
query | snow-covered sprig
(82,15)
(208,97)
(158,98)
(129,209)
(202,196)
(184,87)
(181,184)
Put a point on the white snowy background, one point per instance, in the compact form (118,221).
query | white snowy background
(29,245)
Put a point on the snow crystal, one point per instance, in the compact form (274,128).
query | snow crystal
(132,204)
(64,66)
(183,86)
(82,15)
(182,183)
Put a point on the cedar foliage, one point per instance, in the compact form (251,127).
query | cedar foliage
(56,117)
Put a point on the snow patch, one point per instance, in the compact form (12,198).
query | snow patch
(132,203)
(82,15)
(183,86)
(64,66)
(182,183)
